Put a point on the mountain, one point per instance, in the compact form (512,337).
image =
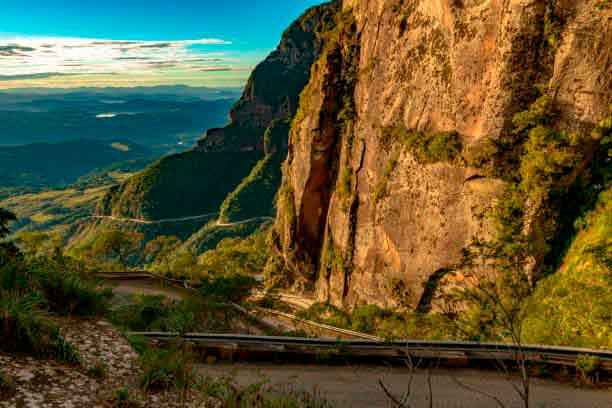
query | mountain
(428,127)
(424,132)
(153,118)
(41,165)
(199,181)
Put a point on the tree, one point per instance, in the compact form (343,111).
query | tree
(7,249)
(160,252)
(116,245)
(39,243)
(6,217)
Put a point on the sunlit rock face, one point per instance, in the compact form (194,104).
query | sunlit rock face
(273,89)
(465,66)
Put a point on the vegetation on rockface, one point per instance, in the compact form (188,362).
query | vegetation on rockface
(254,195)
(573,306)
(181,185)
(427,148)
(381,190)
(557,177)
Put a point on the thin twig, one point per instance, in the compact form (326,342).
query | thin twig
(477,391)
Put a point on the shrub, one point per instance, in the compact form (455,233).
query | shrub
(426,147)
(70,293)
(123,399)
(8,388)
(24,329)
(232,288)
(165,370)
(157,313)
(587,366)
(98,370)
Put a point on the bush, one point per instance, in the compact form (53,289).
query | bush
(587,366)
(98,370)
(165,370)
(24,329)
(228,394)
(233,288)
(8,388)
(123,399)
(70,293)
(426,147)
(157,313)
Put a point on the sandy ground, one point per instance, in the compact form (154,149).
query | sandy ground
(357,386)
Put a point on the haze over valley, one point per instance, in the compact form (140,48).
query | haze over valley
(306,204)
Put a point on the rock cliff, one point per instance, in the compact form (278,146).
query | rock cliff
(273,89)
(189,184)
(390,173)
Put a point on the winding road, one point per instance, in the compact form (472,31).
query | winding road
(152,222)
(219,223)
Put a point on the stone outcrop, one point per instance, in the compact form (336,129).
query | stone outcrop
(361,219)
(273,89)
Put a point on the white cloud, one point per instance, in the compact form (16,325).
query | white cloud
(37,56)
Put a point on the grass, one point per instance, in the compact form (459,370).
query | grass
(8,388)
(31,289)
(25,328)
(165,369)
(226,393)
(384,323)
(573,306)
(157,313)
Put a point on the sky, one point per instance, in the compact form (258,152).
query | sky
(73,43)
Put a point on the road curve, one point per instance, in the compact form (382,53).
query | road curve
(152,222)
(247,221)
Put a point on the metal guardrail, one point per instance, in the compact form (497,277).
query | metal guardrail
(367,345)
(320,326)
(564,356)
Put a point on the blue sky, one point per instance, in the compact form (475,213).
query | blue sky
(63,43)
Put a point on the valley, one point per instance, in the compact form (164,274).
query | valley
(408,204)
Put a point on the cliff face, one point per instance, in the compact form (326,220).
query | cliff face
(362,217)
(273,88)
(189,184)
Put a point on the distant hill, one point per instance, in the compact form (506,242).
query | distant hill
(165,117)
(56,164)
(174,90)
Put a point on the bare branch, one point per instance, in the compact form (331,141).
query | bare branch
(477,391)
(398,404)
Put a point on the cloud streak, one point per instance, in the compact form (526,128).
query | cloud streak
(36,58)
